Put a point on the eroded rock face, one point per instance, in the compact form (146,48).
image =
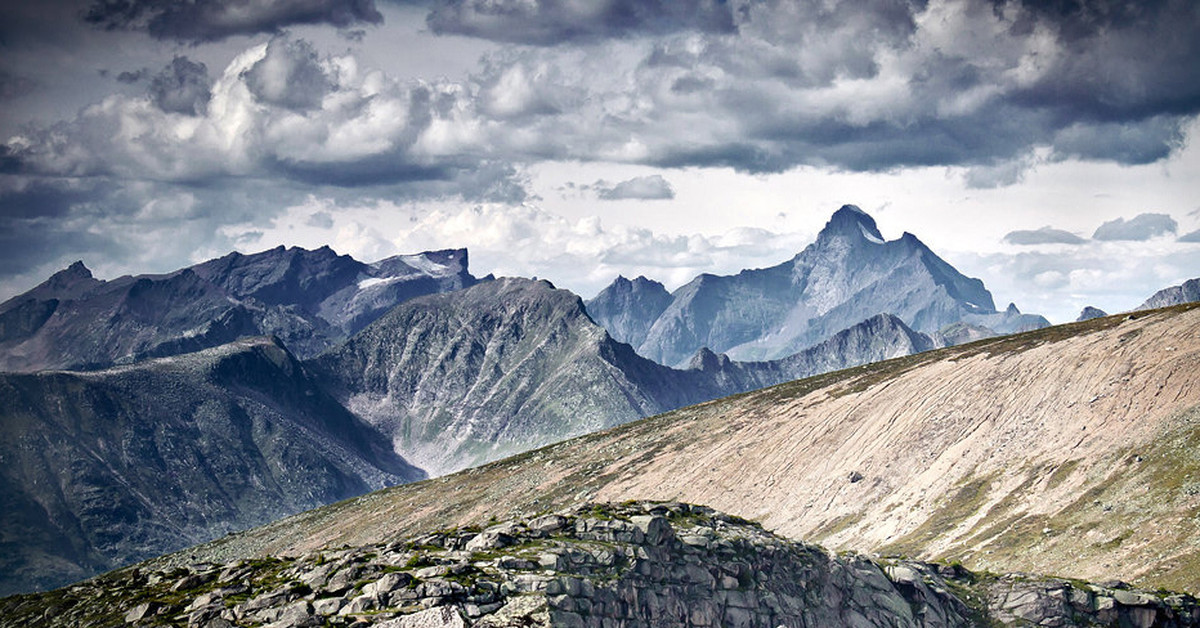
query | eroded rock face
(635,564)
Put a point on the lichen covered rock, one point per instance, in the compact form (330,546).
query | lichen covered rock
(597,565)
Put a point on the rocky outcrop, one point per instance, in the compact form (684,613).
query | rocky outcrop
(108,467)
(309,299)
(597,565)
(1186,292)
(849,274)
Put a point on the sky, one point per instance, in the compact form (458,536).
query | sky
(1047,147)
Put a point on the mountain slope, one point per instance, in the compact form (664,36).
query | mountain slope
(108,467)
(1186,292)
(850,273)
(508,365)
(462,378)
(1065,450)
(309,299)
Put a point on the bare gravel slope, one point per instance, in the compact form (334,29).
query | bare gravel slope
(1070,450)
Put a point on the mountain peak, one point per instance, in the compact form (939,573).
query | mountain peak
(850,220)
(70,279)
(75,271)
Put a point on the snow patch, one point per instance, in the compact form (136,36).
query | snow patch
(424,264)
(868,235)
(374,281)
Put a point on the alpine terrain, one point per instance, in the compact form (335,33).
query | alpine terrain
(309,299)
(850,273)
(594,565)
(104,468)
(467,377)
(1067,450)
(1186,292)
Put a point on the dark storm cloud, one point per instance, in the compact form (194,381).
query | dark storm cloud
(37,222)
(1045,235)
(769,86)
(1121,61)
(653,187)
(1133,142)
(1139,228)
(549,22)
(13,85)
(211,20)
(182,87)
(130,77)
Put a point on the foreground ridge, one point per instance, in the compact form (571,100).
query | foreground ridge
(598,564)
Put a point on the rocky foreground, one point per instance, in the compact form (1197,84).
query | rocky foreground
(633,564)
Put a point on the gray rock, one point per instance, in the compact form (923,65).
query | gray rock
(142,611)
(438,617)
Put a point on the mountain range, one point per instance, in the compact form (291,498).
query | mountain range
(309,299)
(462,378)
(296,378)
(1067,450)
(848,274)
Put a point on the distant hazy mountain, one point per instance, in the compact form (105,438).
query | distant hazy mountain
(850,273)
(461,378)
(1089,312)
(1186,292)
(309,299)
(627,308)
(108,467)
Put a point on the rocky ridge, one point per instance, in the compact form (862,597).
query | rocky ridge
(595,565)
(1186,292)
(309,299)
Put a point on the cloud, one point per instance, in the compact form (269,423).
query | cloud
(998,175)
(1139,228)
(1114,276)
(289,75)
(871,87)
(584,254)
(1190,237)
(212,20)
(14,85)
(181,87)
(129,77)
(549,22)
(652,187)
(1045,235)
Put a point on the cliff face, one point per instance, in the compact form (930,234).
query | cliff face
(597,565)
(108,467)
